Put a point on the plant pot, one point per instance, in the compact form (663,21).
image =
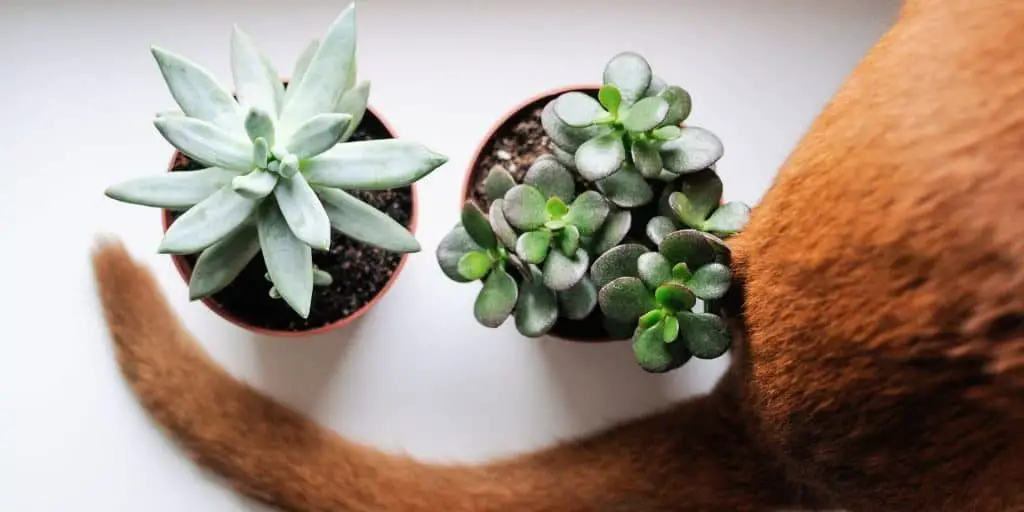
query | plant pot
(362,274)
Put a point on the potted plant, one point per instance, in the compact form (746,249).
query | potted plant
(596,214)
(298,171)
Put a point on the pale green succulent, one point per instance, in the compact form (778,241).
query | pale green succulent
(277,163)
(697,204)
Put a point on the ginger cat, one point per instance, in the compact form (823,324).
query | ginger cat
(879,338)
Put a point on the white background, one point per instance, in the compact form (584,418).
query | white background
(78,89)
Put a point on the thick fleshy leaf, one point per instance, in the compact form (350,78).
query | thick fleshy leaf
(687,246)
(301,65)
(588,212)
(600,157)
(626,188)
(257,84)
(659,227)
(569,240)
(556,209)
(699,194)
(474,265)
(646,114)
(326,76)
(320,133)
(478,226)
(578,302)
(614,230)
(537,307)
(630,73)
(669,132)
(646,158)
(696,149)
(197,92)
(289,260)
(730,218)
(260,153)
(567,137)
(497,183)
(304,212)
(707,336)
(360,221)
(671,329)
(710,282)
(353,102)
(503,231)
(625,299)
(551,178)
(681,272)
(566,158)
(657,85)
(173,190)
(679,103)
(615,263)
(208,222)
(562,272)
(222,262)
(496,299)
(259,125)
(321,278)
(533,246)
(373,164)
(651,318)
(654,269)
(206,142)
(610,99)
(577,109)
(255,185)
(524,207)
(674,296)
(455,244)
(653,355)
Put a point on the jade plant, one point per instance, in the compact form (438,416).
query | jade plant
(574,238)
(276,163)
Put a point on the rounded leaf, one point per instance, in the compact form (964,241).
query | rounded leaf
(556,208)
(497,183)
(578,302)
(646,158)
(610,99)
(653,355)
(674,296)
(474,265)
(562,272)
(617,262)
(681,272)
(659,227)
(626,188)
(657,85)
(671,331)
(564,157)
(687,246)
(630,73)
(728,219)
(577,109)
(569,240)
(679,104)
(317,134)
(453,246)
(588,212)
(532,246)
(625,299)
(478,226)
(524,207)
(654,269)
(600,157)
(646,115)
(710,282)
(255,185)
(699,194)
(706,335)
(614,230)
(696,149)
(670,132)
(503,231)
(537,308)
(651,318)
(496,299)
(551,178)
(567,137)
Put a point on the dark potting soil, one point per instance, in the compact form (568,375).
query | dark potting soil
(515,146)
(360,271)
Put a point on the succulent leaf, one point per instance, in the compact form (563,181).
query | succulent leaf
(654,269)
(257,84)
(537,308)
(503,231)
(670,132)
(569,240)
(497,183)
(566,158)
(288,259)
(657,86)
(496,299)
(301,65)
(630,73)
(206,142)
(524,207)
(353,102)
(600,157)
(625,299)
(478,226)
(614,230)
(372,164)
(730,218)
(222,262)
(653,355)
(532,246)
(450,250)
(562,272)
(646,114)
(356,219)
(567,137)
(577,109)
(197,92)
(680,104)
(318,134)
(259,124)
(551,178)
(687,246)
(207,222)
(646,158)
(618,262)
(651,318)
(659,227)
(699,195)
(710,282)
(707,336)
(588,212)
(681,272)
(610,99)
(671,331)
(474,265)
(172,190)
(304,212)
(694,150)
(255,185)
(260,153)
(556,209)
(674,296)
(626,188)
(578,302)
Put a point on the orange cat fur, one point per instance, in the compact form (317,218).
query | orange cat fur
(879,339)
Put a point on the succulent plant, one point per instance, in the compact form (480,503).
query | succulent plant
(277,163)
(697,204)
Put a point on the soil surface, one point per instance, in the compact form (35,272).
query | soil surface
(360,271)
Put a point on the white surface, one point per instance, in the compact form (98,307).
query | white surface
(77,94)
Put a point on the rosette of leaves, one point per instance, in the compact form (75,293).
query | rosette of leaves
(276,163)
(656,294)
(697,204)
(632,131)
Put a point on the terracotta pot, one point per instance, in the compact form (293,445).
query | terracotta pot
(185,268)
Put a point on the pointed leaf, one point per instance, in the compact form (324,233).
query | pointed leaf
(255,185)
(610,98)
(562,272)
(671,331)
(304,212)
(600,157)
(707,336)
(630,73)
(503,231)
(532,246)
(257,84)
(537,307)
(497,183)
(496,299)
(730,218)
(577,109)
(288,259)
(646,158)
(372,164)
(674,297)
(206,142)
(360,221)
(618,262)
(208,222)
(524,207)
(259,125)
(679,102)
(173,190)
(699,195)
(626,188)
(681,272)
(654,269)
(567,137)
(455,244)
(646,115)
(569,240)
(320,133)
(614,230)
(551,179)
(353,102)
(478,226)
(578,302)
(696,149)
(687,246)
(710,282)
(474,265)
(566,158)
(197,92)
(625,299)
(222,262)
(588,212)
(659,227)
(301,65)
